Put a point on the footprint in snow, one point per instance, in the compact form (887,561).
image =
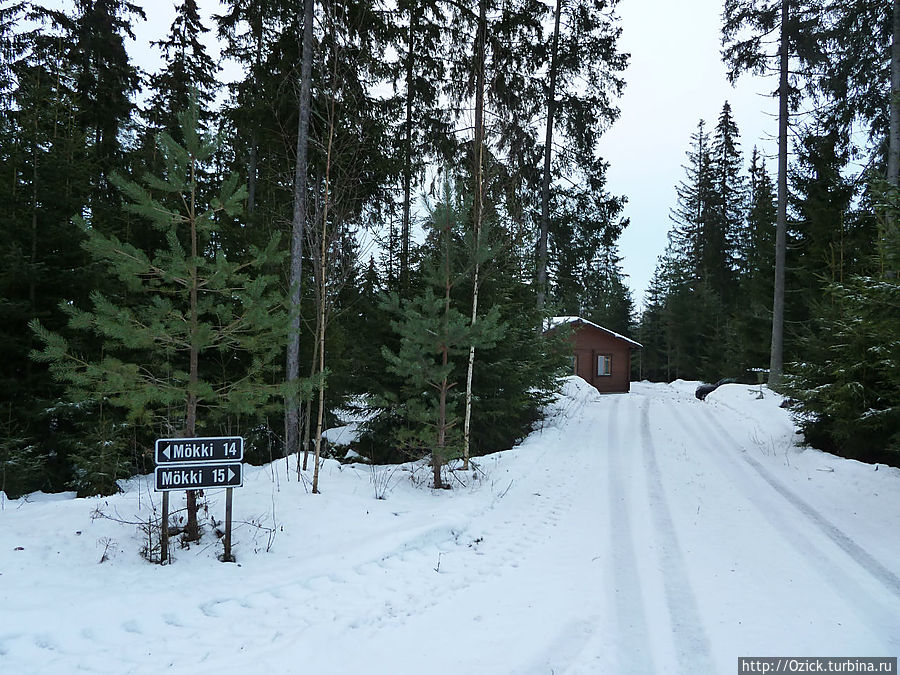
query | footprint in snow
(172,620)
(131,627)
(207,609)
(44,641)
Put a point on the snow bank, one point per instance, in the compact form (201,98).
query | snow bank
(647,532)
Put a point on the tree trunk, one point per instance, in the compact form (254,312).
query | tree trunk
(307,409)
(478,215)
(291,417)
(893,169)
(251,175)
(777,354)
(254,139)
(407,160)
(192,528)
(323,296)
(321,335)
(32,284)
(437,455)
(548,151)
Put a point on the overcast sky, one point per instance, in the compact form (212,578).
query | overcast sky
(675,78)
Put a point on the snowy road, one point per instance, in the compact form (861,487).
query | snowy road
(641,533)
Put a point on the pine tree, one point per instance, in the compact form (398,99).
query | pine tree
(249,33)
(191,310)
(426,131)
(434,337)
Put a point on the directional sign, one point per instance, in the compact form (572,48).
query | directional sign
(199,476)
(199,450)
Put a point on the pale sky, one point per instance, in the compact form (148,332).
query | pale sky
(675,78)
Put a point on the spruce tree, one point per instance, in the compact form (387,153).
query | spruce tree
(692,214)
(860,78)
(188,71)
(44,183)
(105,80)
(583,62)
(846,388)
(425,134)
(799,23)
(606,298)
(654,363)
(729,206)
(749,339)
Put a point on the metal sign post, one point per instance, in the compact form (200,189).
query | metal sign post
(197,464)
(164,531)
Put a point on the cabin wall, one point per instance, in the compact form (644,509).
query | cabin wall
(588,344)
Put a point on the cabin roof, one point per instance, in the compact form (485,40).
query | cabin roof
(556,321)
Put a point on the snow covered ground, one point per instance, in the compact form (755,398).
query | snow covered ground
(640,533)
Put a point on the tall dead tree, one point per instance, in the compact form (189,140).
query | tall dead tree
(548,155)
(893,168)
(776,358)
(292,405)
(746,52)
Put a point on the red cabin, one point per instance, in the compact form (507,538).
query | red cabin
(601,357)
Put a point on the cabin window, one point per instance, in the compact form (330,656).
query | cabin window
(604,364)
(575,364)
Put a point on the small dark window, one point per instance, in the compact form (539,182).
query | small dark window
(604,364)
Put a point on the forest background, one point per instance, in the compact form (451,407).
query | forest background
(162,251)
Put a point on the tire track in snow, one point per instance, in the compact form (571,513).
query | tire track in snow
(311,605)
(879,619)
(862,557)
(449,539)
(634,657)
(692,647)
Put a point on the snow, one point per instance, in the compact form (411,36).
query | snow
(639,533)
(556,321)
(353,417)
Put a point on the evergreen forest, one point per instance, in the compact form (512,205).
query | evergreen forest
(381,212)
